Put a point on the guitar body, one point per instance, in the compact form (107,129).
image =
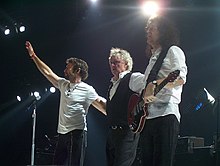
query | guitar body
(137,111)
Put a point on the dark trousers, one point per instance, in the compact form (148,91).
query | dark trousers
(121,147)
(158,141)
(70,149)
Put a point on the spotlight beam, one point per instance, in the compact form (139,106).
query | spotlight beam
(150,8)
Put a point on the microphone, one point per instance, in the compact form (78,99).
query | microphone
(32,104)
(48,139)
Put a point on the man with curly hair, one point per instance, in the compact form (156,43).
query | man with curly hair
(160,133)
(75,98)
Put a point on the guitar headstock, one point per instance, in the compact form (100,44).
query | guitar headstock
(173,75)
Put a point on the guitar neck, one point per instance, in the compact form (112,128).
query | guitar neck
(160,86)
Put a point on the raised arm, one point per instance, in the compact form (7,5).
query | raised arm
(43,68)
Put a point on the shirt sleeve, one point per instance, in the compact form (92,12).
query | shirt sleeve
(136,82)
(92,95)
(61,83)
(178,61)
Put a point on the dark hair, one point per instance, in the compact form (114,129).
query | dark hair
(169,34)
(79,64)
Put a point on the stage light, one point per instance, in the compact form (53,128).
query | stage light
(18,98)
(16,28)
(37,95)
(204,99)
(209,97)
(52,89)
(19,27)
(21,97)
(150,8)
(198,106)
(7,31)
(93,1)
(22,28)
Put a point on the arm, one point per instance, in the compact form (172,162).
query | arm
(42,67)
(149,90)
(137,82)
(100,104)
(148,96)
(179,81)
(177,61)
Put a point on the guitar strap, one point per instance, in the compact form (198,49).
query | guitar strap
(154,71)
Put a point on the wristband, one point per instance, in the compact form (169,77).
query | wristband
(33,55)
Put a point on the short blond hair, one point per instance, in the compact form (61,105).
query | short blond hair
(122,54)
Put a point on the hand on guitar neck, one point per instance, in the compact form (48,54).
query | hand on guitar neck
(148,95)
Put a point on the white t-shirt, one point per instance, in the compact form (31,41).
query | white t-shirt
(75,99)
(167,99)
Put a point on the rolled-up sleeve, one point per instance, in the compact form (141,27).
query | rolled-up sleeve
(178,61)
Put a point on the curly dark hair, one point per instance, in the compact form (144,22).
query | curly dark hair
(169,34)
(79,64)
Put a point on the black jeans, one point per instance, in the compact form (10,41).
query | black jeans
(70,149)
(121,147)
(158,141)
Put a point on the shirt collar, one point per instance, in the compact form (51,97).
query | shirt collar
(121,75)
(156,52)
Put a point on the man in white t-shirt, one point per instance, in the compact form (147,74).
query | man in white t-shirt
(75,98)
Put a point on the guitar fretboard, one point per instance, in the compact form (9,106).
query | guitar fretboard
(160,86)
(172,76)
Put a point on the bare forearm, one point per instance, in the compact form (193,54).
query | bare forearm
(42,67)
(176,83)
(103,108)
(100,105)
(45,70)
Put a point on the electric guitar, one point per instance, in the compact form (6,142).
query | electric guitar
(138,110)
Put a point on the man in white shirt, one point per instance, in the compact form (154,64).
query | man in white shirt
(160,134)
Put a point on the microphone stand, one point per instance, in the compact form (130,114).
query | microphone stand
(33,130)
(217,143)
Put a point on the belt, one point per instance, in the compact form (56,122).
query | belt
(119,127)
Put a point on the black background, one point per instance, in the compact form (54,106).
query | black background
(76,28)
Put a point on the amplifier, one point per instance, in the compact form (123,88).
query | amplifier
(188,143)
(201,156)
(44,158)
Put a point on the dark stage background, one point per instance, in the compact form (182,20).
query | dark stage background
(61,29)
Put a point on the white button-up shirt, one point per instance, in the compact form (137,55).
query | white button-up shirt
(167,99)
(135,83)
